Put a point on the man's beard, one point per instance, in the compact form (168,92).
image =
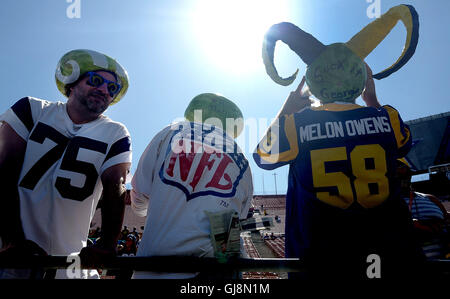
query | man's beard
(92,105)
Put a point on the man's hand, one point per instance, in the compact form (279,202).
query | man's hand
(296,101)
(369,95)
(96,256)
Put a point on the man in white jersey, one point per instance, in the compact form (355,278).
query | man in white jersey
(57,159)
(189,168)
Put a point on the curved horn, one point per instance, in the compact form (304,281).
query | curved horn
(373,34)
(304,44)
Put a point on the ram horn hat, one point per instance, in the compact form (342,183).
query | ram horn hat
(337,72)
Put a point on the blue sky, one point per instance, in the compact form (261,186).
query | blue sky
(174,50)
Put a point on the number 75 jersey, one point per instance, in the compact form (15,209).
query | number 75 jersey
(59,184)
(341,155)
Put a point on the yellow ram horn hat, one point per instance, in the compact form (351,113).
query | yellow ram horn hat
(337,72)
(373,34)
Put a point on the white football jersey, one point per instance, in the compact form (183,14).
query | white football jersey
(60,185)
(185,171)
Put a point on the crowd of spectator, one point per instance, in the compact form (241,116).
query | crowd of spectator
(127,244)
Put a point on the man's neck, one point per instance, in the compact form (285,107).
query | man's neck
(80,117)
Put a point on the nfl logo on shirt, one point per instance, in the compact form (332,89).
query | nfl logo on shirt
(200,168)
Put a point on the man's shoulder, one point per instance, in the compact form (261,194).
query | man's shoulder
(113,125)
(389,109)
(39,102)
(33,104)
(25,112)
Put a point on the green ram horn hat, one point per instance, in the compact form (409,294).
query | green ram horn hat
(216,110)
(77,62)
(337,72)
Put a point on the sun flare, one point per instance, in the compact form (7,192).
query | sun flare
(231,32)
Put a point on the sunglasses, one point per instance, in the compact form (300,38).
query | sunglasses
(96,80)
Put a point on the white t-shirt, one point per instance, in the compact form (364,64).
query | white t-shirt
(60,185)
(183,172)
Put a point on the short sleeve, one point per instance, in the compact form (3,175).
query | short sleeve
(279,146)
(120,149)
(144,175)
(20,116)
(401,131)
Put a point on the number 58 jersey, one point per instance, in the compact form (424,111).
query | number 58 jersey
(342,161)
(59,184)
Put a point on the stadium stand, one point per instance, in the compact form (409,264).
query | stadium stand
(250,247)
(430,153)
(252,252)
(277,246)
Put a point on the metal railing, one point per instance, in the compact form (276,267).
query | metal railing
(160,264)
(180,264)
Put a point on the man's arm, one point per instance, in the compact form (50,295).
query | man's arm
(279,144)
(12,152)
(296,101)
(437,202)
(369,94)
(113,206)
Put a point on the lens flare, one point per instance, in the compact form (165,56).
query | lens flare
(230,33)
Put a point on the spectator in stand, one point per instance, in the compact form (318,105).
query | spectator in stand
(90,242)
(57,160)
(95,233)
(188,168)
(343,202)
(130,247)
(430,217)
(120,248)
(135,233)
(140,233)
(124,233)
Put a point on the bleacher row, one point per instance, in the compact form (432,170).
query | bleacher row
(250,248)
(269,202)
(253,253)
(277,246)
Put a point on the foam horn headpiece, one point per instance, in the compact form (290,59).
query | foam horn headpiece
(337,72)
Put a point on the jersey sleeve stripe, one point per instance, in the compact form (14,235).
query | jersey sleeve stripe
(120,146)
(268,155)
(22,109)
(401,131)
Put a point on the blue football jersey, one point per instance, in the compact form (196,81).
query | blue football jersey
(342,161)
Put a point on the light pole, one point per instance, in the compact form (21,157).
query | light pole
(275,177)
